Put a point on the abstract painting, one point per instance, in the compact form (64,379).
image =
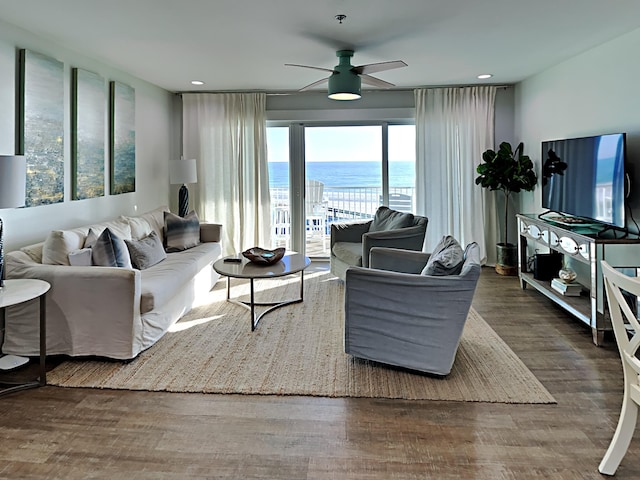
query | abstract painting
(122,138)
(87,134)
(40,126)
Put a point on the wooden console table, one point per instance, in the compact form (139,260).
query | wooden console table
(580,246)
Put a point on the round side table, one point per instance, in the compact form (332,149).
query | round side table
(15,292)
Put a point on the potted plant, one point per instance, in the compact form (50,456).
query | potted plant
(509,171)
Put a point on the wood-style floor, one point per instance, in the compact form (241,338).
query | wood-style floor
(69,434)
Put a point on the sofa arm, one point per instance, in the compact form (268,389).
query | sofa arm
(397,260)
(210,232)
(90,310)
(349,232)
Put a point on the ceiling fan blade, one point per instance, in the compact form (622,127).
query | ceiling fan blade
(314,84)
(376,82)
(330,70)
(378,67)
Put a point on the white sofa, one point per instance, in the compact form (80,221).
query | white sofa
(109,312)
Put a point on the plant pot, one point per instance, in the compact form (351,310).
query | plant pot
(507,259)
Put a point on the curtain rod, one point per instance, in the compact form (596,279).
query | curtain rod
(275,93)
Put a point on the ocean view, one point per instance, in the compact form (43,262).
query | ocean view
(347,174)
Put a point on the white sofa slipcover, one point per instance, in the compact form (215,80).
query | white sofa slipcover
(108,311)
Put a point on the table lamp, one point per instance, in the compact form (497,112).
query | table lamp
(13,179)
(182,172)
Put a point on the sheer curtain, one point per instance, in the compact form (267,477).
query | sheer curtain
(226,133)
(453,127)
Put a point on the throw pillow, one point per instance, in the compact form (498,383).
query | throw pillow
(387,219)
(146,252)
(110,251)
(58,244)
(447,258)
(80,258)
(181,233)
(92,238)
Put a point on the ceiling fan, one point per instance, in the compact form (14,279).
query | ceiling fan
(345,79)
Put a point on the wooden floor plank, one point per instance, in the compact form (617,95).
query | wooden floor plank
(62,433)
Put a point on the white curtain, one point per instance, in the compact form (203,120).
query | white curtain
(453,127)
(226,134)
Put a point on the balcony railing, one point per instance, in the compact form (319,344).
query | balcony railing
(339,204)
(353,203)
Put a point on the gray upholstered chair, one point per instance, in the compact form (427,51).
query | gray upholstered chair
(351,242)
(396,315)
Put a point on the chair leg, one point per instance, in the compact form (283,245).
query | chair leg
(621,438)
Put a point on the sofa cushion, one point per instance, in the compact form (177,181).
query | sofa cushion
(80,258)
(387,219)
(147,251)
(142,225)
(447,258)
(58,244)
(34,251)
(160,282)
(118,227)
(110,251)
(181,233)
(348,252)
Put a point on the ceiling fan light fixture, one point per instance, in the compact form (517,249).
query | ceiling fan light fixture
(344,96)
(344,85)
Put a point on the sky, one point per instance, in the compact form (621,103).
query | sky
(345,143)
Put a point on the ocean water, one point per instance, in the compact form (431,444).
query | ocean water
(347,174)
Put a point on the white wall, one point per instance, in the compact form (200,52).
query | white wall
(593,93)
(157,141)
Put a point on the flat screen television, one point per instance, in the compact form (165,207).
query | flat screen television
(584,177)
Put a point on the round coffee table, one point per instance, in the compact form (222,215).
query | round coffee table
(291,263)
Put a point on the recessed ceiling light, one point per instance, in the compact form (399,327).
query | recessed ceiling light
(485,75)
(197,82)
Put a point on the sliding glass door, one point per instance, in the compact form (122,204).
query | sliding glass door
(343,178)
(323,174)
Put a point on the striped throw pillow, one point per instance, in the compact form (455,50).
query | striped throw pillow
(181,233)
(110,251)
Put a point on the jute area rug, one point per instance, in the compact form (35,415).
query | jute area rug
(298,350)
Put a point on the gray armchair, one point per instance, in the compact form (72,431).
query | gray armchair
(351,242)
(398,316)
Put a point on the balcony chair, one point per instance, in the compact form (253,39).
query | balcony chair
(351,242)
(281,223)
(615,283)
(396,315)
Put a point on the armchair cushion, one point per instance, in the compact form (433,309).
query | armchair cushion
(349,252)
(446,259)
(387,219)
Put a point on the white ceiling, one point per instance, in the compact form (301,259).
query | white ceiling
(244,44)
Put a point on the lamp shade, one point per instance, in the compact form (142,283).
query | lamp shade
(183,171)
(344,86)
(13,180)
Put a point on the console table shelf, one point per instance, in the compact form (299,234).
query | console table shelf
(582,245)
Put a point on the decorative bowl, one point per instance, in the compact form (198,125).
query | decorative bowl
(566,275)
(261,256)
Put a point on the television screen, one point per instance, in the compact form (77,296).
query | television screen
(584,177)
